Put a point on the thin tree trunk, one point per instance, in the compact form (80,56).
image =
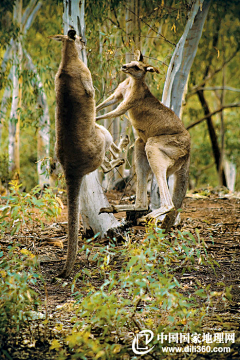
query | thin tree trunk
(92,197)
(221,170)
(15,51)
(133,41)
(14,124)
(212,133)
(43,136)
(4,103)
(211,130)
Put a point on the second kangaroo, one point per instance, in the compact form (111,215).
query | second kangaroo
(163,143)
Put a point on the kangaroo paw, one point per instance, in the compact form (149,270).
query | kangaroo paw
(105,170)
(120,208)
(120,162)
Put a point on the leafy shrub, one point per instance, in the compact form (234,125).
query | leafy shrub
(18,299)
(144,294)
(4,165)
(20,208)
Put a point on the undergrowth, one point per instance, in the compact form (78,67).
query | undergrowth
(19,270)
(21,209)
(139,291)
(18,301)
(143,294)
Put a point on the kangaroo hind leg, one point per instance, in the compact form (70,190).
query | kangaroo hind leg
(142,171)
(161,164)
(179,192)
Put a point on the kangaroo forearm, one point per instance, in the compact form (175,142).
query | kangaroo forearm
(120,110)
(115,113)
(105,116)
(106,103)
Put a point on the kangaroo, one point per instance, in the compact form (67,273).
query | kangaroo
(80,142)
(163,143)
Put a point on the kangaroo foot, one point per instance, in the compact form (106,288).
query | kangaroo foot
(176,222)
(169,221)
(155,214)
(63,275)
(119,208)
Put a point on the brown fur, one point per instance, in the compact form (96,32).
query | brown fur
(163,144)
(80,143)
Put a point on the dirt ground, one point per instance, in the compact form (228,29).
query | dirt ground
(213,213)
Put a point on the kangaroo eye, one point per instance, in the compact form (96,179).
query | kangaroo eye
(136,67)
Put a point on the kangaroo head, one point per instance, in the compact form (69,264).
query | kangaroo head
(137,68)
(70,37)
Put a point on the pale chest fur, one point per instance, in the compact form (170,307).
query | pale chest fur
(149,116)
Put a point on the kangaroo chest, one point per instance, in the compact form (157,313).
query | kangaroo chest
(139,122)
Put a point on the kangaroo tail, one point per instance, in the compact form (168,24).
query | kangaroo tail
(73,196)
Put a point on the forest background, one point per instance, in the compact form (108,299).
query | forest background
(113,30)
(172,284)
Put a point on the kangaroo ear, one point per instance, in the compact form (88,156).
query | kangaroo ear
(57,37)
(152,69)
(138,56)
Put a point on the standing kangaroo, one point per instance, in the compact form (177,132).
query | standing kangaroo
(163,144)
(80,143)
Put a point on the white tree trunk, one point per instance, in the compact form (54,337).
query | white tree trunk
(15,51)
(178,71)
(92,198)
(14,124)
(43,139)
(13,115)
(4,103)
(183,56)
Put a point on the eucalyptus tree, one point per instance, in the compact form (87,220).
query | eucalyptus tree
(216,89)
(179,69)
(14,60)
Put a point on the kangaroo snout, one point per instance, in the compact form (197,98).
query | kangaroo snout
(124,67)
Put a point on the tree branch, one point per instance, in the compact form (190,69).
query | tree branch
(28,11)
(43,165)
(27,19)
(31,17)
(212,113)
(210,76)
(162,36)
(7,56)
(213,88)
(4,103)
